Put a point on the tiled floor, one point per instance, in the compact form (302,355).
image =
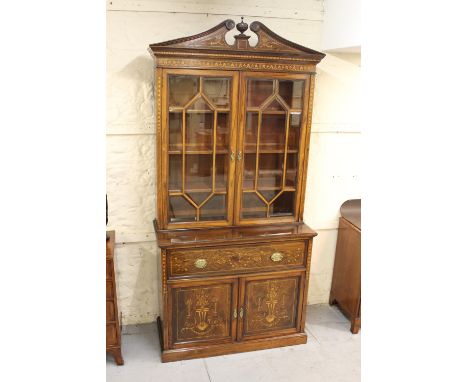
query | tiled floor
(331,354)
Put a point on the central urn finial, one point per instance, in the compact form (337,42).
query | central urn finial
(242,27)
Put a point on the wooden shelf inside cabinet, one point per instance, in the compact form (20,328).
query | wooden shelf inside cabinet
(233,123)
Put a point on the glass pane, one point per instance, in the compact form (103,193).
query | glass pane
(214,209)
(198,197)
(274,106)
(182,89)
(292,92)
(272,132)
(270,170)
(222,132)
(217,90)
(250,133)
(199,105)
(198,170)
(283,205)
(269,194)
(258,91)
(253,206)
(291,172)
(249,171)
(222,171)
(199,131)
(294,131)
(180,209)
(175,131)
(175,173)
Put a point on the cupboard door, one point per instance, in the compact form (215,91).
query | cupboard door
(272,133)
(271,305)
(200,123)
(203,312)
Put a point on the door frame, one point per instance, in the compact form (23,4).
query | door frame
(301,290)
(163,145)
(303,147)
(177,284)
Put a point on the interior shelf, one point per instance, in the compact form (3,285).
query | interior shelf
(181,109)
(196,152)
(270,188)
(223,152)
(174,192)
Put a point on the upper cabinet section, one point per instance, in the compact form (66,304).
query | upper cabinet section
(233,124)
(210,50)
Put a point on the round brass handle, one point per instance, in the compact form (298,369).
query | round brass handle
(277,256)
(201,263)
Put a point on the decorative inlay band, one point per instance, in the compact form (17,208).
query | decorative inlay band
(163,271)
(234,65)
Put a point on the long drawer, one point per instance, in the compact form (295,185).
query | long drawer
(223,259)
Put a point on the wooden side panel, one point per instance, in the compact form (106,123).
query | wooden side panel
(272,305)
(111,335)
(203,312)
(109,270)
(110,311)
(346,285)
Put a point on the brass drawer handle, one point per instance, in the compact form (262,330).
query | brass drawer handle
(201,263)
(233,156)
(239,156)
(241,312)
(277,256)
(235,313)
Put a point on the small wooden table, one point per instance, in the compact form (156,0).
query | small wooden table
(113,342)
(346,284)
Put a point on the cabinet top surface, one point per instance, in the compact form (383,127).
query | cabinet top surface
(233,234)
(351,211)
(213,43)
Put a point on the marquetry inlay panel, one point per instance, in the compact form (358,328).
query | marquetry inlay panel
(271,304)
(201,312)
(233,259)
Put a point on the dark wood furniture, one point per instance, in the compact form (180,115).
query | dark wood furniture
(233,125)
(113,343)
(346,284)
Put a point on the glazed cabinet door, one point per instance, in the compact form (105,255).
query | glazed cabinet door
(270,305)
(198,148)
(203,312)
(273,119)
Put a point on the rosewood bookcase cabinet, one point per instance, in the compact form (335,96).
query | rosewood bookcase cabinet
(232,134)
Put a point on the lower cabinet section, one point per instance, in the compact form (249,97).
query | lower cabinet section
(232,290)
(234,310)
